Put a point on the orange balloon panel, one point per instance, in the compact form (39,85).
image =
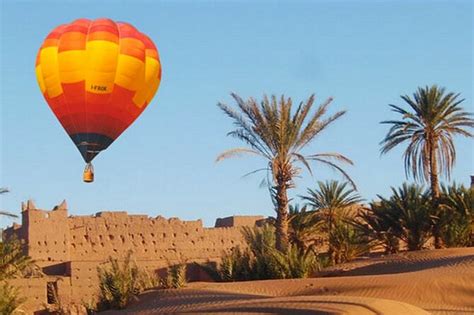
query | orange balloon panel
(97,76)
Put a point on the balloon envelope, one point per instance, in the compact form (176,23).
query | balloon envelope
(97,77)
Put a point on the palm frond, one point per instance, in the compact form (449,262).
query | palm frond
(8,214)
(236,152)
(13,261)
(427,127)
(272,130)
(336,167)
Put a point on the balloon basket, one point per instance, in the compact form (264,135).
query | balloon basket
(88,176)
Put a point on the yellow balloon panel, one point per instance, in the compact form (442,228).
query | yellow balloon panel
(148,87)
(50,71)
(130,72)
(71,66)
(39,77)
(101,66)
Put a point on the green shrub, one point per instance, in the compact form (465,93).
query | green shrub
(235,265)
(13,261)
(261,260)
(175,277)
(455,216)
(375,226)
(261,244)
(295,263)
(407,215)
(305,228)
(256,262)
(410,215)
(90,306)
(120,283)
(347,242)
(457,233)
(148,281)
(10,299)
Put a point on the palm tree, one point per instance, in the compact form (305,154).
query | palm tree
(4,213)
(347,242)
(273,131)
(333,201)
(428,127)
(304,227)
(10,299)
(13,261)
(407,214)
(455,216)
(375,224)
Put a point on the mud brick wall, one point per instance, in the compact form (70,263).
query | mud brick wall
(70,248)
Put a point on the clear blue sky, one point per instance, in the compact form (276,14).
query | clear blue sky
(363,53)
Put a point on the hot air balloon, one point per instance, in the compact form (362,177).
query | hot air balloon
(97,76)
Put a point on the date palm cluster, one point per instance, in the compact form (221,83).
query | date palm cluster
(333,217)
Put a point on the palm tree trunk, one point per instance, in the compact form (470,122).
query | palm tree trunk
(282,216)
(331,251)
(434,171)
(434,181)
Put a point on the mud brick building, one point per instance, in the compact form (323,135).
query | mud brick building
(69,248)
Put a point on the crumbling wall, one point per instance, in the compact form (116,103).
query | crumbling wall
(53,238)
(72,247)
(114,233)
(155,243)
(46,234)
(238,220)
(158,239)
(35,292)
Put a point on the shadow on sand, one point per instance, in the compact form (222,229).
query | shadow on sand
(400,266)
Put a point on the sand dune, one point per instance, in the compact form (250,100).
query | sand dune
(436,281)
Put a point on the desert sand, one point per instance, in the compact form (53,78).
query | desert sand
(424,282)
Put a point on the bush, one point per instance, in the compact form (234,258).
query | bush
(347,242)
(407,215)
(410,215)
(10,299)
(455,216)
(295,263)
(119,284)
(13,261)
(90,307)
(375,226)
(457,233)
(261,260)
(305,228)
(175,277)
(261,246)
(235,265)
